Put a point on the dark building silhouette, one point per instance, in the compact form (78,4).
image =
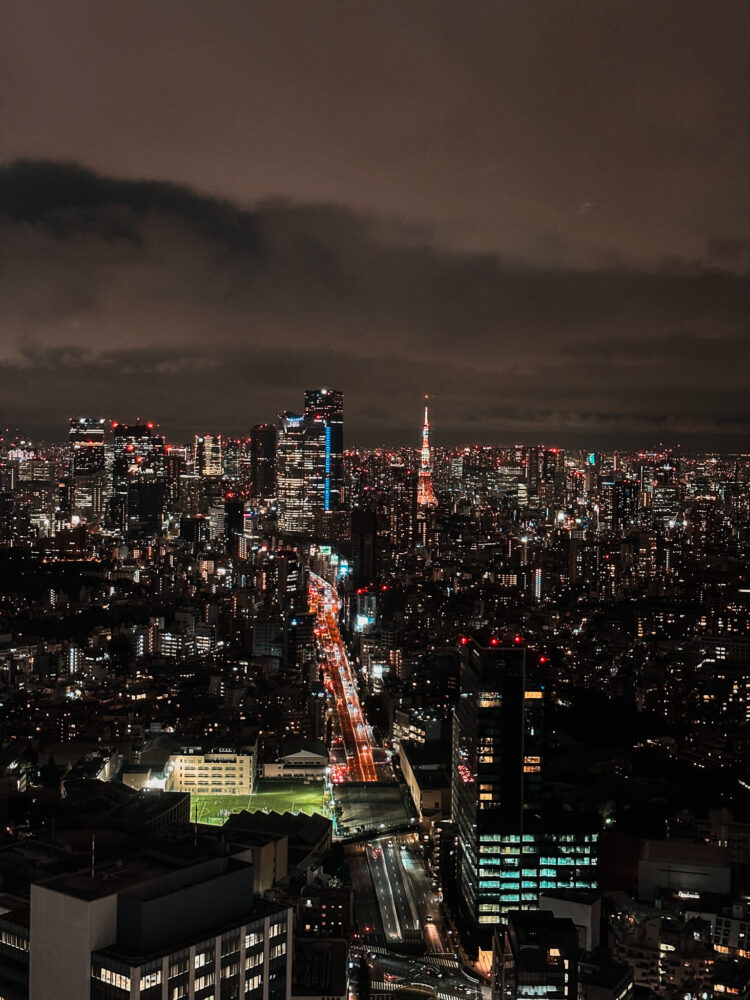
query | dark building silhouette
(263,460)
(364,546)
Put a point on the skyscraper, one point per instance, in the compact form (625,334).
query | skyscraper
(299,459)
(208,455)
(263,460)
(327,406)
(510,845)
(401,504)
(234,522)
(309,461)
(87,466)
(138,476)
(364,545)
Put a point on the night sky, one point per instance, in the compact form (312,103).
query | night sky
(539,212)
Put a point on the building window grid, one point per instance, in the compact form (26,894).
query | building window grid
(117,979)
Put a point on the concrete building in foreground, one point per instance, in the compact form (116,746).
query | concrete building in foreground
(159,924)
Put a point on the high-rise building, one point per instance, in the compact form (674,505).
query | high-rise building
(234,522)
(327,405)
(510,845)
(263,460)
(208,455)
(364,546)
(87,465)
(624,504)
(295,462)
(401,505)
(552,477)
(138,476)
(309,461)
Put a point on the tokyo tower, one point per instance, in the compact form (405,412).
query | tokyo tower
(425,493)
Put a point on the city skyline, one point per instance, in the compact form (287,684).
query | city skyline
(629,443)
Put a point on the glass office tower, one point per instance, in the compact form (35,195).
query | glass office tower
(512,844)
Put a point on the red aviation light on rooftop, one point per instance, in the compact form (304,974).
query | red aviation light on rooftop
(464,640)
(518,640)
(542,659)
(494,641)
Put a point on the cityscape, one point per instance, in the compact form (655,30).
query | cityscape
(374,500)
(467,719)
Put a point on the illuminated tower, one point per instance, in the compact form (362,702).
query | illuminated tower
(425,493)
(326,406)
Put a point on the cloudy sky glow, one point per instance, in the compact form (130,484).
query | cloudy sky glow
(539,213)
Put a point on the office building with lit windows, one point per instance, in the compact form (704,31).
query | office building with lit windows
(295,460)
(511,843)
(208,455)
(172,921)
(87,466)
(139,476)
(326,407)
(309,461)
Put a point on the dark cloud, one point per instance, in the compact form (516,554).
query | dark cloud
(565,133)
(139,298)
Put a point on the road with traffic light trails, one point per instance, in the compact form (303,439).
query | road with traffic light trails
(360,765)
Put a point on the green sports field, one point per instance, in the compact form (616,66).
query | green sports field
(274,796)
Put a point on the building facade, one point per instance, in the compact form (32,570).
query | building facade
(214,772)
(511,844)
(150,927)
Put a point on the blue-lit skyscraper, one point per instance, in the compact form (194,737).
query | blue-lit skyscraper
(309,461)
(325,408)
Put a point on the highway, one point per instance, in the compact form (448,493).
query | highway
(426,900)
(340,682)
(398,909)
(367,911)
(409,906)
